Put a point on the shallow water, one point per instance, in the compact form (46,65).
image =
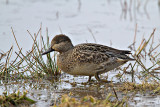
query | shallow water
(48,92)
(106,19)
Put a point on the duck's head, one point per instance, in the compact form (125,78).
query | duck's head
(60,43)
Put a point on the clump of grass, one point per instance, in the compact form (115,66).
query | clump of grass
(39,66)
(90,101)
(145,53)
(15,99)
(32,63)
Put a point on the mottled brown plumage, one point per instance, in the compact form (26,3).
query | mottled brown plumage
(86,59)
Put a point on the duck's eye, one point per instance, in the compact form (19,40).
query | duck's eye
(57,42)
(60,41)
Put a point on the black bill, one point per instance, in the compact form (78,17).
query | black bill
(48,51)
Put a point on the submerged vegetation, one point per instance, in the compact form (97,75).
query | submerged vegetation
(142,77)
(89,101)
(15,99)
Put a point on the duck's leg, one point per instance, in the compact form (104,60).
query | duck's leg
(97,76)
(89,79)
(98,79)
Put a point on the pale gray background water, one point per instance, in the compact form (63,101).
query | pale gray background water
(104,17)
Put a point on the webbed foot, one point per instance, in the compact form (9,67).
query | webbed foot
(89,79)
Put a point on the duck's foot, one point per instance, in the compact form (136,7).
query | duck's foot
(100,80)
(89,79)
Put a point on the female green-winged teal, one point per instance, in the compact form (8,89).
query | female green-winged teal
(87,59)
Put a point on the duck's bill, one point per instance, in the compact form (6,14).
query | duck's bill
(48,51)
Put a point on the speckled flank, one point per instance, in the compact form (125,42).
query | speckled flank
(87,59)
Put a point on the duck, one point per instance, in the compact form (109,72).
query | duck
(86,59)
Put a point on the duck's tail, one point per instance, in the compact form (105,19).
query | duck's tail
(125,52)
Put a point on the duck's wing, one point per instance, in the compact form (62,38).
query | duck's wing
(102,48)
(88,56)
(98,53)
